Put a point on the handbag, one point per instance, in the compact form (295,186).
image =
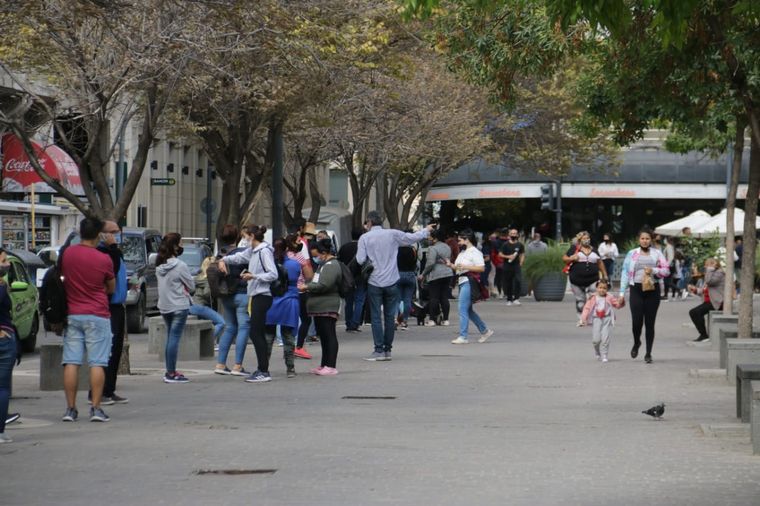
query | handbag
(478,291)
(566,268)
(647,283)
(367,268)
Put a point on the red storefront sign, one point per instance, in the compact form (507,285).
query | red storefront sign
(18,173)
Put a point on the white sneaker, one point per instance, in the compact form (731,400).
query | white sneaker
(460,340)
(604,359)
(445,323)
(5,438)
(509,303)
(485,335)
(516,302)
(430,323)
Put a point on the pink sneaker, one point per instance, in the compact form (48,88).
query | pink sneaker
(316,370)
(327,371)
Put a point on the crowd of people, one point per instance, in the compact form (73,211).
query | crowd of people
(296,286)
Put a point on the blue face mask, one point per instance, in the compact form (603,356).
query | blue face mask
(117,237)
(316,260)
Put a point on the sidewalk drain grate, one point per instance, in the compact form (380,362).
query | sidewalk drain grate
(369,397)
(235,472)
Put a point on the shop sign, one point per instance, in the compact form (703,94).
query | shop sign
(18,173)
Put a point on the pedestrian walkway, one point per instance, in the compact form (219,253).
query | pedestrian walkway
(528,418)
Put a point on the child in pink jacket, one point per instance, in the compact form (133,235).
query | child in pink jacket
(599,313)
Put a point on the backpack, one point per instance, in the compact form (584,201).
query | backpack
(346,285)
(53,304)
(219,283)
(279,286)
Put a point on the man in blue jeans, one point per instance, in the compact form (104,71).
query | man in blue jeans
(380,246)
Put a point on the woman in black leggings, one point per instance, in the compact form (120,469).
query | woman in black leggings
(640,263)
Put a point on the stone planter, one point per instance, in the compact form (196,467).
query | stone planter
(550,287)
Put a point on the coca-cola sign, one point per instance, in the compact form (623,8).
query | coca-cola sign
(18,172)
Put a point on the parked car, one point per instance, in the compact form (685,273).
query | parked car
(137,244)
(193,255)
(25,299)
(49,254)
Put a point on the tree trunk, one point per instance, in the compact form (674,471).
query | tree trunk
(315,196)
(747,280)
(736,167)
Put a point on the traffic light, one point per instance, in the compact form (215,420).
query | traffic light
(547,197)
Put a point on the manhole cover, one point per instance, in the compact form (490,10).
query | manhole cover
(235,472)
(369,397)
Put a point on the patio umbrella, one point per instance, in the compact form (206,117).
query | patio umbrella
(692,221)
(717,225)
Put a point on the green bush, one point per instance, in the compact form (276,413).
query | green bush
(538,264)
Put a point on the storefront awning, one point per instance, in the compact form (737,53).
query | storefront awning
(18,173)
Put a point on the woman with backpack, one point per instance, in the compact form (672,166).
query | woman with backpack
(261,273)
(286,309)
(175,283)
(585,269)
(324,304)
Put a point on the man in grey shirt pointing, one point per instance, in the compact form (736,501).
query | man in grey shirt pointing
(380,246)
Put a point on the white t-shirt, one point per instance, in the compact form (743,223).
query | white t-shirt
(470,256)
(608,251)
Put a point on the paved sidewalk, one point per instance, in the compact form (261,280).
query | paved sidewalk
(528,418)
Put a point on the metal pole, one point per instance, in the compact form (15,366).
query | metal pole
(277,177)
(209,168)
(558,210)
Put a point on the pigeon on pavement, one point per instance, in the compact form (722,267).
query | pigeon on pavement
(656,412)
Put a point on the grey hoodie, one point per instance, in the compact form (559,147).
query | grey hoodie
(261,264)
(175,283)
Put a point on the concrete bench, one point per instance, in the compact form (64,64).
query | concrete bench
(730,334)
(716,321)
(741,351)
(755,417)
(197,340)
(745,373)
(51,370)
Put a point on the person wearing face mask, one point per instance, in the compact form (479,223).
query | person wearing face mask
(110,241)
(641,267)
(586,268)
(608,250)
(8,348)
(324,304)
(175,283)
(470,259)
(513,254)
(262,271)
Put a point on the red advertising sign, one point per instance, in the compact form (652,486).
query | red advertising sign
(18,173)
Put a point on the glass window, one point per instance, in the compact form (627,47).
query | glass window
(133,249)
(17,273)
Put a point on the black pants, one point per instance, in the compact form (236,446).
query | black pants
(303,329)
(325,326)
(260,304)
(438,291)
(644,307)
(498,280)
(697,315)
(510,282)
(118,328)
